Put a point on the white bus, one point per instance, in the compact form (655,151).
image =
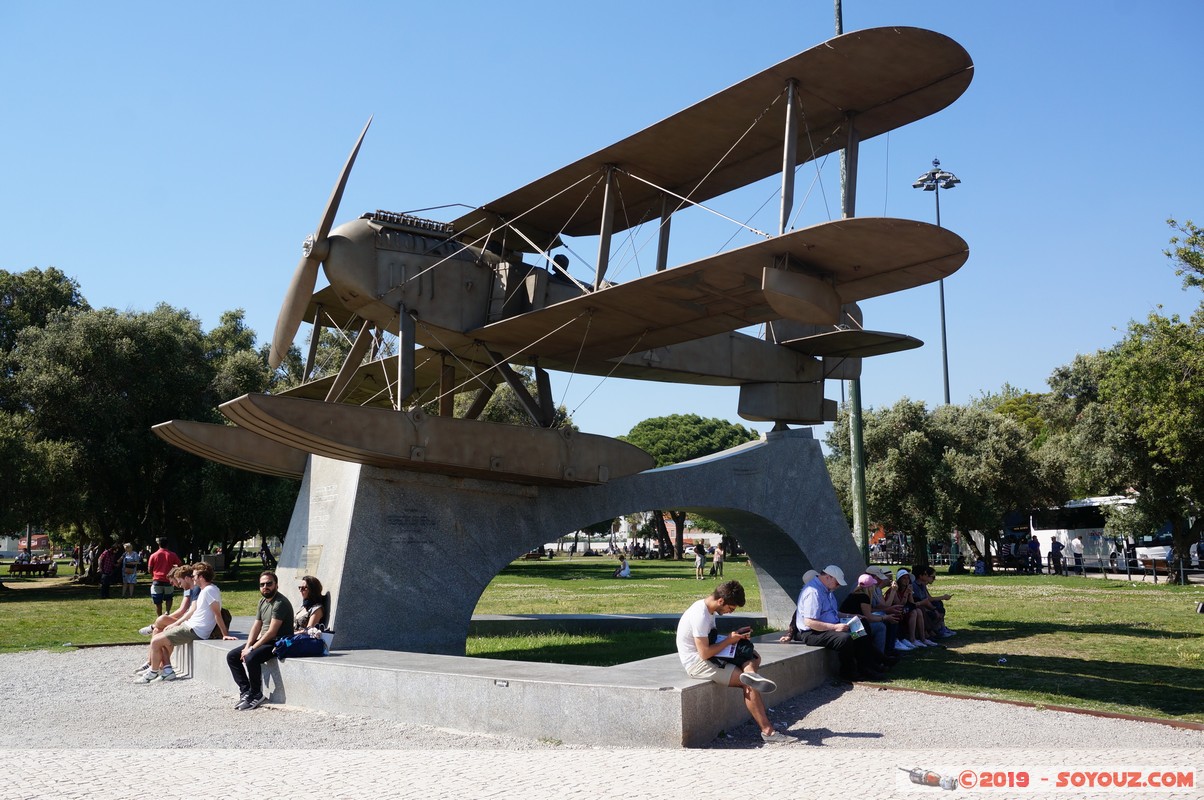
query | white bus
(1085,519)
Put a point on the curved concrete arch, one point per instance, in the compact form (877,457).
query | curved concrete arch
(406,556)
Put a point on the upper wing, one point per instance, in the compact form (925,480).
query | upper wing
(880,79)
(860,257)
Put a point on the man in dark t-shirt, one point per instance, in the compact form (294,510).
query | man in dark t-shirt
(273,619)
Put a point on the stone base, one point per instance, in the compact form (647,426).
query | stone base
(406,556)
(648,703)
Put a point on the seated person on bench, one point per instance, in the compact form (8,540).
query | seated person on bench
(698,647)
(314,606)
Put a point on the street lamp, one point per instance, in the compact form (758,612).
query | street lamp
(933,181)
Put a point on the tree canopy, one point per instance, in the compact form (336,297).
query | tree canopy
(1187,252)
(682,437)
(79,391)
(929,473)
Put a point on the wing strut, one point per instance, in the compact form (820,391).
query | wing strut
(405,355)
(447,383)
(541,415)
(662,240)
(789,160)
(355,356)
(313,345)
(608,220)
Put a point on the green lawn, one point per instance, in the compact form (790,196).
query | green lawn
(585,586)
(46,613)
(1083,642)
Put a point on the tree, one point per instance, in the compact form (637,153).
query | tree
(30,298)
(903,467)
(1084,439)
(989,466)
(1187,252)
(98,380)
(32,470)
(1155,388)
(930,473)
(677,438)
(87,387)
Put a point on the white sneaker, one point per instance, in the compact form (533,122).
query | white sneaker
(168,675)
(147,677)
(916,644)
(147,630)
(142,668)
(904,645)
(931,643)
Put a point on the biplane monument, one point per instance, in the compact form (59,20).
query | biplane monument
(401,507)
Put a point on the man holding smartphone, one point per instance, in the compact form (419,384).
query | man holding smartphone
(698,648)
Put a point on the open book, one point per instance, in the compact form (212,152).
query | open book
(727,652)
(856,629)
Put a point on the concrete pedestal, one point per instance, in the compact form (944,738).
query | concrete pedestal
(406,556)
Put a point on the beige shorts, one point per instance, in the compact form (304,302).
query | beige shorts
(705,670)
(178,634)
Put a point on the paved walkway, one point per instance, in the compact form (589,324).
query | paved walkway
(789,771)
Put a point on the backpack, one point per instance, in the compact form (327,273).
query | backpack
(299,645)
(216,633)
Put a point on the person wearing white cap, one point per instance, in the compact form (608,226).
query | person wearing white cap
(818,624)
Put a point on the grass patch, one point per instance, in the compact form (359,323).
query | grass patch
(47,613)
(559,647)
(1110,645)
(585,586)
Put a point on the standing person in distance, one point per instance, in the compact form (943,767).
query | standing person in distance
(108,565)
(130,561)
(159,565)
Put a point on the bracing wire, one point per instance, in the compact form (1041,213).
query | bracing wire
(577,359)
(606,377)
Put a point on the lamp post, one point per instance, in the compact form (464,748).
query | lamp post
(933,181)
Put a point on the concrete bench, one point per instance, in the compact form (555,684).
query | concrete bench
(647,703)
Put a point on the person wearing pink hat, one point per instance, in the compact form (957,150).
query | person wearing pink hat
(859,603)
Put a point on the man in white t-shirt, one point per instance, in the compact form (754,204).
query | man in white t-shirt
(180,578)
(696,650)
(198,623)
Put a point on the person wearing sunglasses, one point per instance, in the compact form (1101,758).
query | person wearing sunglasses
(272,620)
(312,613)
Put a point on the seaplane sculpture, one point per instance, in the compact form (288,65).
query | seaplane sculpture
(466,307)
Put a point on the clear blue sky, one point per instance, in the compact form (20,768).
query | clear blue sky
(180,153)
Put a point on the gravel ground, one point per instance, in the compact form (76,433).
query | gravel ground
(63,694)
